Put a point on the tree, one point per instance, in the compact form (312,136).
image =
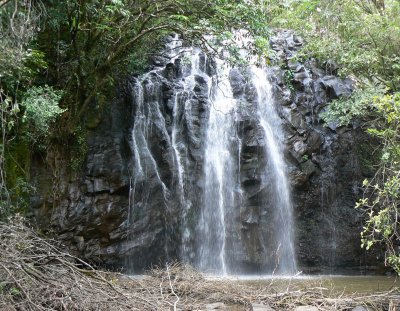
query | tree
(19,21)
(89,43)
(381,198)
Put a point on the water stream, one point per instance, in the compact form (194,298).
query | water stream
(208,144)
(276,172)
(219,175)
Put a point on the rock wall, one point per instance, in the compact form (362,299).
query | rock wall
(326,165)
(125,208)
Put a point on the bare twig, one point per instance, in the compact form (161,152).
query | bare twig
(37,274)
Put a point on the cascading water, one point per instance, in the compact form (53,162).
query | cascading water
(145,167)
(276,171)
(219,175)
(197,133)
(187,84)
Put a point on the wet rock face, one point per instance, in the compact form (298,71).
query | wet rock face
(325,167)
(131,159)
(89,211)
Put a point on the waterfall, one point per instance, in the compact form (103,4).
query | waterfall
(219,174)
(190,161)
(187,84)
(276,171)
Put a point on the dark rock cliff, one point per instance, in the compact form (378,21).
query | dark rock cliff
(124,208)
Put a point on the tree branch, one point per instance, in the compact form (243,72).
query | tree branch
(4,2)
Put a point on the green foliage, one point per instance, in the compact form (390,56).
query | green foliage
(368,152)
(20,65)
(381,199)
(344,110)
(363,37)
(78,149)
(14,291)
(18,70)
(15,192)
(41,110)
(19,62)
(20,200)
(7,289)
(289,75)
(89,43)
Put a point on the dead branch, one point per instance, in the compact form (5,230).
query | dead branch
(38,274)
